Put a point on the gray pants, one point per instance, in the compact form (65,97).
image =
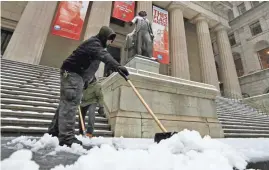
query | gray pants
(90,109)
(63,122)
(144,43)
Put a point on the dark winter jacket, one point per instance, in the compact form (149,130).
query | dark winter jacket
(86,58)
(93,94)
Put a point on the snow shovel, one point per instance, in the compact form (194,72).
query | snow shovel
(81,121)
(158,136)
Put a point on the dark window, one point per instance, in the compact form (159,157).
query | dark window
(264,58)
(115,52)
(241,8)
(255,28)
(5,38)
(239,67)
(254,3)
(230,15)
(117,22)
(232,39)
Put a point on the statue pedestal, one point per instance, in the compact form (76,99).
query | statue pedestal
(140,62)
(178,103)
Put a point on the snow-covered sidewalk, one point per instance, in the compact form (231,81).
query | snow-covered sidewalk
(186,150)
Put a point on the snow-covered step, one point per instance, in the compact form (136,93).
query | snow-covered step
(31,72)
(27,69)
(15,64)
(46,116)
(30,85)
(27,82)
(257,117)
(243,123)
(239,121)
(40,131)
(31,80)
(246,131)
(27,108)
(42,123)
(250,114)
(25,98)
(28,94)
(28,102)
(246,135)
(245,110)
(255,127)
(34,90)
(13,75)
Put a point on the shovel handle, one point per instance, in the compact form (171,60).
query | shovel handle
(147,107)
(81,120)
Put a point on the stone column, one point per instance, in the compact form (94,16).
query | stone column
(99,16)
(207,60)
(28,40)
(145,6)
(178,45)
(229,77)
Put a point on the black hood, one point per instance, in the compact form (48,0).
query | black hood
(105,34)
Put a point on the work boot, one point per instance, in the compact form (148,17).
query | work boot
(53,134)
(89,135)
(70,142)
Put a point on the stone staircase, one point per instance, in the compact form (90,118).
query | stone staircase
(240,120)
(29,98)
(30,93)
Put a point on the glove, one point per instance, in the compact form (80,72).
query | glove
(86,85)
(101,111)
(123,70)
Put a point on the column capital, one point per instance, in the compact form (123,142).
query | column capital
(199,17)
(220,27)
(174,5)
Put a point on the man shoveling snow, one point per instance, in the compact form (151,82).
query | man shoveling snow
(77,70)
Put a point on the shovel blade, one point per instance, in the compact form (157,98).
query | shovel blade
(161,136)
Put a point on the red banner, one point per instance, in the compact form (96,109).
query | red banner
(69,19)
(124,10)
(161,35)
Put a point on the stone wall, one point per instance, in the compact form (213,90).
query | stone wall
(256,83)
(178,103)
(11,13)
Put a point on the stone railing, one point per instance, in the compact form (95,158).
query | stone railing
(257,103)
(260,102)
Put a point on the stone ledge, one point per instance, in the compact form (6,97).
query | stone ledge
(153,81)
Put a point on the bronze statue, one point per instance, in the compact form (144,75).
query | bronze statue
(129,47)
(142,37)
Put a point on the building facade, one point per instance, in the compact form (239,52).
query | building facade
(249,38)
(199,38)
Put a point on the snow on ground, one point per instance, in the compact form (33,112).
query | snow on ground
(256,149)
(186,150)
(19,160)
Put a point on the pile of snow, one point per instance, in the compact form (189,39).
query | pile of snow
(186,150)
(19,160)
(46,142)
